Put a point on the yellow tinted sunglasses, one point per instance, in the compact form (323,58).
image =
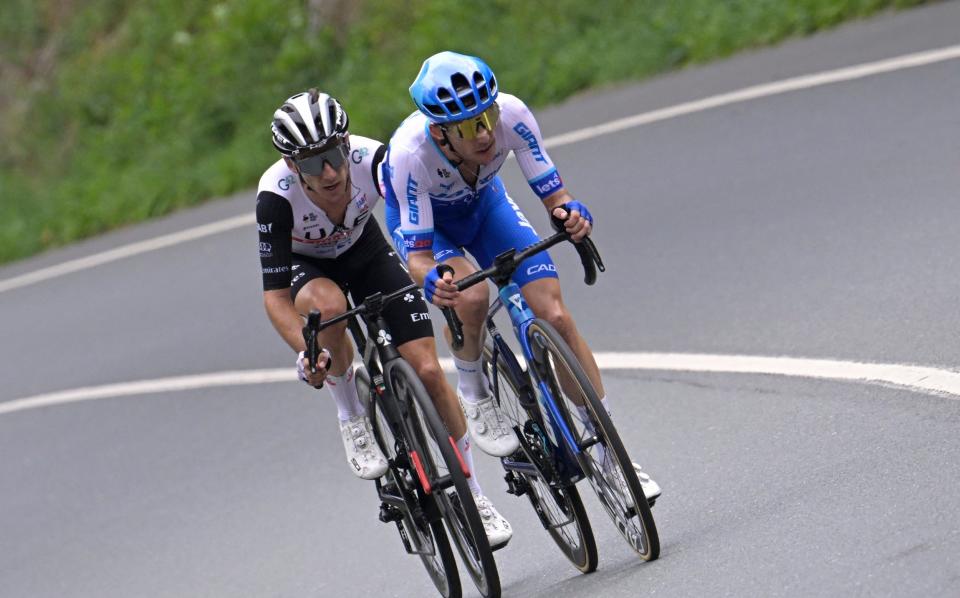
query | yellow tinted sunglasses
(470,128)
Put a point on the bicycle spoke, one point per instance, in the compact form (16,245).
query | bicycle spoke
(602,457)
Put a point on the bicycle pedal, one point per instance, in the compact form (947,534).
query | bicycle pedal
(515,485)
(389,513)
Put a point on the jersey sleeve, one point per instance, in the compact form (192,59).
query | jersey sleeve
(527,144)
(275,226)
(409,182)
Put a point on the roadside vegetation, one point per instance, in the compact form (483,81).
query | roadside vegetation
(115,111)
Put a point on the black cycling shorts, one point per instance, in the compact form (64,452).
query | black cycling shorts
(370,266)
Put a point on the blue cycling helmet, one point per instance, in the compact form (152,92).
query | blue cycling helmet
(452,87)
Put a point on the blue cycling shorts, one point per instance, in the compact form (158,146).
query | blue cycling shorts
(490,225)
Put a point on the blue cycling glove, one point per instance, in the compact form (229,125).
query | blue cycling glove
(569,207)
(430,283)
(576,205)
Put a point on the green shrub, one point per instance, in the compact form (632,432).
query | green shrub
(120,111)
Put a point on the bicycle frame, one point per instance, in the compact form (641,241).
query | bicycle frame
(521,317)
(395,411)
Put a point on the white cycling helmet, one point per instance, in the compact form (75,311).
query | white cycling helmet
(307,122)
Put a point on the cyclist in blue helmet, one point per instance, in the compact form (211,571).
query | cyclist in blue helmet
(443,195)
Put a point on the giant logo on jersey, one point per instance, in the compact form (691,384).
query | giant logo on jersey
(413,209)
(527,135)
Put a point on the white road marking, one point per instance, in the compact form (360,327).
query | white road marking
(929,380)
(750,93)
(760,91)
(125,251)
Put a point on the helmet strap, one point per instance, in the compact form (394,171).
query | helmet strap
(446,141)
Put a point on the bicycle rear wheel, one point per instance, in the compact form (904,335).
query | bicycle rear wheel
(436,451)
(421,534)
(627,507)
(556,502)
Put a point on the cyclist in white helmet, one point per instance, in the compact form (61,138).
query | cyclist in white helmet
(444,195)
(317,236)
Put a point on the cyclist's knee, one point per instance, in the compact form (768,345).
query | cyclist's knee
(559,317)
(430,373)
(322,295)
(472,308)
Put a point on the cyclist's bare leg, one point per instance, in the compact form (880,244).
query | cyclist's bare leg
(544,298)
(325,295)
(421,354)
(471,309)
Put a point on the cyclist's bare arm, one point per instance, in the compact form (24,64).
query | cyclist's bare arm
(284,317)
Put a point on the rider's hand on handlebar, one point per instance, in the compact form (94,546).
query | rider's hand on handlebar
(314,379)
(577,220)
(440,290)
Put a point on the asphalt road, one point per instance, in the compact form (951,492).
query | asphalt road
(818,223)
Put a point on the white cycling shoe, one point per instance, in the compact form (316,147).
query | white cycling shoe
(488,427)
(497,528)
(363,454)
(651,489)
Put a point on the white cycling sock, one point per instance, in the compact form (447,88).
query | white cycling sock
(344,392)
(584,417)
(471,383)
(463,445)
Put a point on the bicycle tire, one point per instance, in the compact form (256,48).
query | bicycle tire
(456,503)
(635,523)
(559,507)
(428,536)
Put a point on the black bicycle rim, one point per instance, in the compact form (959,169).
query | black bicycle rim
(428,538)
(456,503)
(635,524)
(560,509)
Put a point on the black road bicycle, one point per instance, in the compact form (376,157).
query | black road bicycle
(556,413)
(426,481)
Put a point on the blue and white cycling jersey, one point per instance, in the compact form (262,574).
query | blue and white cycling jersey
(426,188)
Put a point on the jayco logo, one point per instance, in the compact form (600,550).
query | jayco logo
(521,219)
(527,135)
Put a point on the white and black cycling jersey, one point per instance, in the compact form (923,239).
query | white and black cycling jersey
(289,222)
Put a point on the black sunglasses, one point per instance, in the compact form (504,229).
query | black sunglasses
(311,161)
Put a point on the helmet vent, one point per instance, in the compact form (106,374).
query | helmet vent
(434,109)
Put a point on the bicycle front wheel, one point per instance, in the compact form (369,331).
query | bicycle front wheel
(599,449)
(422,534)
(556,502)
(435,449)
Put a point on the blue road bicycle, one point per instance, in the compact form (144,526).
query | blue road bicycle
(565,433)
